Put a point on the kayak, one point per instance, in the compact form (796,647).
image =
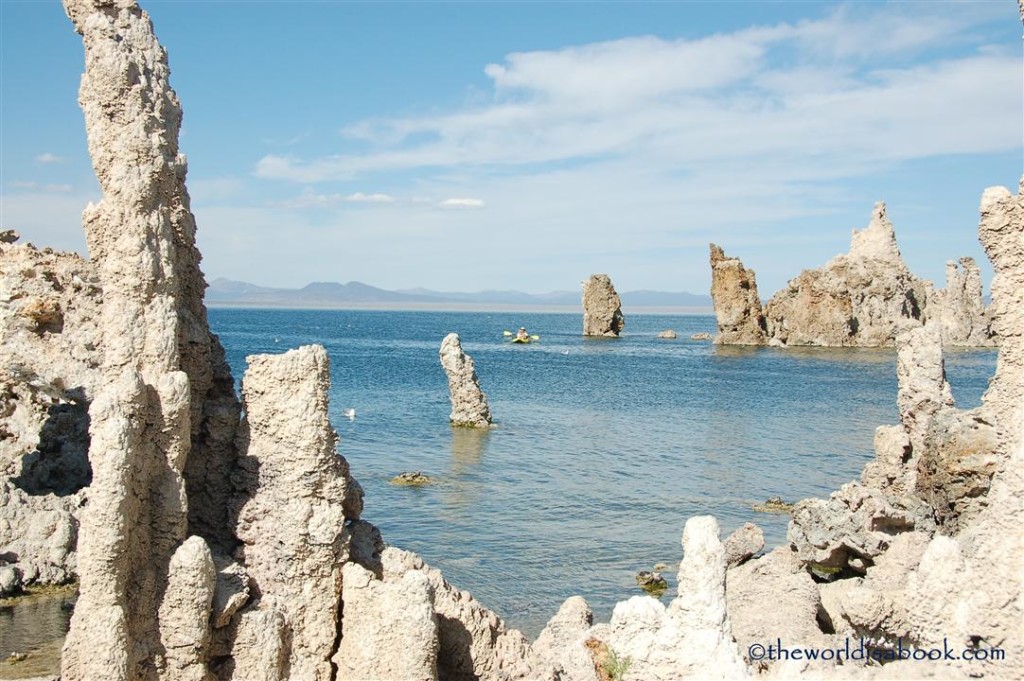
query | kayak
(522,340)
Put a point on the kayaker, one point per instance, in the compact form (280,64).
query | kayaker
(521,334)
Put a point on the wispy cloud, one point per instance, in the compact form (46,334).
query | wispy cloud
(47,158)
(310,198)
(806,91)
(461,203)
(48,188)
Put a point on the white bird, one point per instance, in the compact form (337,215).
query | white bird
(351,414)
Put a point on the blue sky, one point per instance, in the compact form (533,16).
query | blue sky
(491,145)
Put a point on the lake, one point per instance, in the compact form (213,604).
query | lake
(602,447)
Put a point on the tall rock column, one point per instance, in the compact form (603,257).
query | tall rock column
(142,416)
(737,304)
(291,522)
(602,309)
(469,404)
(959,307)
(1002,234)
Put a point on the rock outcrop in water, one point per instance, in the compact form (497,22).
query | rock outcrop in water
(256,564)
(602,309)
(863,298)
(959,308)
(469,404)
(737,304)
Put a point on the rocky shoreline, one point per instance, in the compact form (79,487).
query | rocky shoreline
(864,298)
(218,538)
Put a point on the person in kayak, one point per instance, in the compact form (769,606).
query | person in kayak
(522,334)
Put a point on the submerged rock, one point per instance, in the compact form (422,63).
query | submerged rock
(668,334)
(602,309)
(411,479)
(774,505)
(652,582)
(701,336)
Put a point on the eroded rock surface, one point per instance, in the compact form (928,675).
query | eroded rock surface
(298,493)
(959,308)
(737,304)
(469,404)
(602,308)
(862,298)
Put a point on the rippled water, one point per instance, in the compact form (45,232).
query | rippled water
(603,448)
(35,628)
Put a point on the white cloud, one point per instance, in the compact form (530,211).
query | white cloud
(47,158)
(808,90)
(311,198)
(48,188)
(462,203)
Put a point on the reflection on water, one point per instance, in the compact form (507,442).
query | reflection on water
(468,445)
(34,626)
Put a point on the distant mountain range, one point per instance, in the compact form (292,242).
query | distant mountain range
(225,292)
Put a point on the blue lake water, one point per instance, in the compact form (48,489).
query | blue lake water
(603,447)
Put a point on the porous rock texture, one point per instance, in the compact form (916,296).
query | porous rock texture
(297,494)
(49,371)
(602,308)
(960,309)
(239,566)
(469,404)
(861,298)
(691,637)
(737,304)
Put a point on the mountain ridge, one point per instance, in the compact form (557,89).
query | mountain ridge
(223,292)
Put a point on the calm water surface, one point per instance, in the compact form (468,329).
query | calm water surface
(603,447)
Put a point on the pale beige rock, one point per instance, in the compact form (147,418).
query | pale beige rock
(469,404)
(231,592)
(772,597)
(861,298)
(474,642)
(49,371)
(746,541)
(1002,235)
(737,304)
(959,308)
(602,308)
(262,635)
(562,643)
(389,631)
(41,531)
(298,495)
(691,638)
(185,612)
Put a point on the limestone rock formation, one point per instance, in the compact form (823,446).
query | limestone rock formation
(562,643)
(217,548)
(390,630)
(158,357)
(602,309)
(691,638)
(298,493)
(473,642)
(469,404)
(745,542)
(49,372)
(862,298)
(959,308)
(737,304)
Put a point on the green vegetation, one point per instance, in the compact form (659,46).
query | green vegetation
(615,666)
